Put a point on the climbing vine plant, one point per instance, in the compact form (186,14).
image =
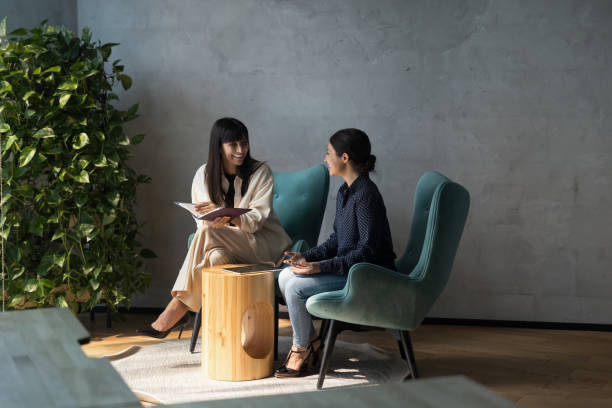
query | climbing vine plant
(68,225)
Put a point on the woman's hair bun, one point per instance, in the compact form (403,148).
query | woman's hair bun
(369,164)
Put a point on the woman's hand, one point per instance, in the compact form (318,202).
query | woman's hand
(307,268)
(295,258)
(205,206)
(218,222)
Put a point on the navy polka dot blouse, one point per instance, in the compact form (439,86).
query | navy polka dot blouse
(361,231)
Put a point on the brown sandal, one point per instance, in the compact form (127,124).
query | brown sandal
(285,372)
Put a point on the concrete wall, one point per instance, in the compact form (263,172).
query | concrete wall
(30,13)
(512,99)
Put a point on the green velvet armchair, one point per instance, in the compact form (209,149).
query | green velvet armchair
(400,300)
(299,200)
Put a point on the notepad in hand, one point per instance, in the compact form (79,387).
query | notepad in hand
(216,213)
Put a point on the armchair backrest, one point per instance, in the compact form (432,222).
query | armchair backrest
(299,202)
(439,214)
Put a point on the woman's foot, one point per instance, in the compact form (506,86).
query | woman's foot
(170,316)
(298,357)
(151,332)
(297,363)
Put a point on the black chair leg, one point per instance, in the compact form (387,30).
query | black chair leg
(330,340)
(401,349)
(197,323)
(323,329)
(275,328)
(409,352)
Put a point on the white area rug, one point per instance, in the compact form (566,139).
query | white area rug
(167,373)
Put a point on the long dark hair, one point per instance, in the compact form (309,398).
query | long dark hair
(226,130)
(356,144)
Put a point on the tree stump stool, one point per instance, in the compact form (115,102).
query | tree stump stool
(237,324)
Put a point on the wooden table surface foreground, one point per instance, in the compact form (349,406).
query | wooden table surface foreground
(43,365)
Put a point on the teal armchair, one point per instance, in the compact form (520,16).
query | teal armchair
(400,300)
(299,201)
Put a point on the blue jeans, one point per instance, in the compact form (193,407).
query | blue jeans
(296,289)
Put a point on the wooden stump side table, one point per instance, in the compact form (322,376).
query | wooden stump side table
(237,324)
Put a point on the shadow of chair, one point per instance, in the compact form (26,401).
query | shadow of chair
(400,300)
(299,200)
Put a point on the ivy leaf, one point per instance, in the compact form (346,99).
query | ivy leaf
(63,100)
(17,274)
(58,235)
(105,49)
(31,285)
(16,300)
(138,138)
(28,95)
(114,198)
(107,219)
(18,32)
(148,254)
(4,127)
(144,179)
(60,301)
(94,284)
(68,86)
(5,87)
(27,154)
(124,141)
(82,141)
(101,161)
(126,81)
(82,177)
(36,226)
(58,260)
(44,133)
(47,283)
(86,230)
(56,69)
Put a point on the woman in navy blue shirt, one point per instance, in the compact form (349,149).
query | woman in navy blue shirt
(361,234)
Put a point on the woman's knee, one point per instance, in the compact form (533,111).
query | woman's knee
(294,290)
(219,256)
(285,276)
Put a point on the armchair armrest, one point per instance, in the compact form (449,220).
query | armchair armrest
(373,296)
(300,246)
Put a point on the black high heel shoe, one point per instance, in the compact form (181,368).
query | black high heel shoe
(284,371)
(151,332)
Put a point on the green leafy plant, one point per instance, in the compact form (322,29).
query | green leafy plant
(68,224)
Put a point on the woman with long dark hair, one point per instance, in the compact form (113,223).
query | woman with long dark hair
(230,178)
(361,234)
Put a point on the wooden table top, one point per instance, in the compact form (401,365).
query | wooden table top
(441,392)
(220,270)
(42,364)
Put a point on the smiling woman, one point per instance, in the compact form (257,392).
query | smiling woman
(230,178)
